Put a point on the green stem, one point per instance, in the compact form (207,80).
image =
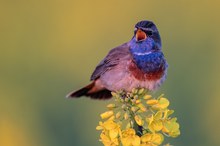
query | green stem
(137,128)
(134,125)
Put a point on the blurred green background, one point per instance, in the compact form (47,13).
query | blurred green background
(49,47)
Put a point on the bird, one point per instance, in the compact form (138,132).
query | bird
(138,63)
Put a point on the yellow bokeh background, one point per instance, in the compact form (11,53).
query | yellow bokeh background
(48,48)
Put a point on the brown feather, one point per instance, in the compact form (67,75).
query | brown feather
(89,91)
(111,60)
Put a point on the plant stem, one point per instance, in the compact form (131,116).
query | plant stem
(138,129)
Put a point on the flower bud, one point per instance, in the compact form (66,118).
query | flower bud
(126,116)
(106,114)
(147,97)
(123,106)
(133,101)
(152,102)
(111,106)
(134,91)
(134,109)
(139,120)
(114,94)
(136,97)
(138,101)
(141,91)
(118,115)
(126,99)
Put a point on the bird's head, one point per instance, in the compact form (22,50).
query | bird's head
(145,30)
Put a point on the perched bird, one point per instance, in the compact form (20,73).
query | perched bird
(138,63)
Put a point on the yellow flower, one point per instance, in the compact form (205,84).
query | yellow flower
(139,120)
(129,110)
(99,127)
(163,103)
(171,127)
(152,102)
(142,108)
(107,114)
(167,113)
(129,138)
(108,141)
(152,139)
(109,125)
(138,101)
(155,122)
(112,118)
(111,128)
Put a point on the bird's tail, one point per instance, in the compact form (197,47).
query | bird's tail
(87,91)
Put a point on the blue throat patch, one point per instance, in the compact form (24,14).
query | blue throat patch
(147,56)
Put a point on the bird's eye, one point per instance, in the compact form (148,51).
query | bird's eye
(149,33)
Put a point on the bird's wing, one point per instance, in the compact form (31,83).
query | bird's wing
(111,60)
